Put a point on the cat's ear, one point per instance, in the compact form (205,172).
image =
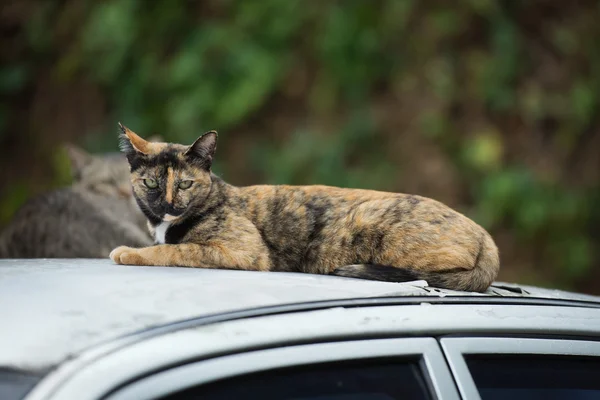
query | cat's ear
(78,157)
(203,149)
(130,143)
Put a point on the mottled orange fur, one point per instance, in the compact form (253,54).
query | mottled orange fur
(314,229)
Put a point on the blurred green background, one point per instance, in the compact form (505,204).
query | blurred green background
(488,106)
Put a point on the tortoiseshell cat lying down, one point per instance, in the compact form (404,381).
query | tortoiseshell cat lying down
(198,220)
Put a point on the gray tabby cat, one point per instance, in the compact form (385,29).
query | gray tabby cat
(85,220)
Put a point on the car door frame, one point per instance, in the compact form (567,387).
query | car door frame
(432,365)
(455,349)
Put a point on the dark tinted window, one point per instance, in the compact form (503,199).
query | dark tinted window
(535,377)
(366,381)
(15,384)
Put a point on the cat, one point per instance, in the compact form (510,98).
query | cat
(85,220)
(199,220)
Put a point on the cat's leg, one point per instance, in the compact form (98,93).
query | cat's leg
(192,255)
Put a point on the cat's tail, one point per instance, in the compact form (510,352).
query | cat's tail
(476,278)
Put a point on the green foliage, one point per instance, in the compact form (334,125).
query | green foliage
(61,165)
(12,79)
(11,202)
(502,67)
(108,38)
(537,210)
(214,76)
(349,158)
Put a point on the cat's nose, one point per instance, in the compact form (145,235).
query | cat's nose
(172,210)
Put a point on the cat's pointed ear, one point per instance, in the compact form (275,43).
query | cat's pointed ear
(130,143)
(203,149)
(78,157)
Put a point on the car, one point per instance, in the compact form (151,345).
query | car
(89,329)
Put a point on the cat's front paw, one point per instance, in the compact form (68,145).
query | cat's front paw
(127,256)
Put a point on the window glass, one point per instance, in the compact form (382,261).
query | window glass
(15,384)
(536,377)
(365,381)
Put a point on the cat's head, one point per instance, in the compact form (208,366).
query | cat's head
(106,174)
(169,179)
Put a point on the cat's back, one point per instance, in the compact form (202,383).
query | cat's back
(297,212)
(67,223)
(36,222)
(275,199)
(49,204)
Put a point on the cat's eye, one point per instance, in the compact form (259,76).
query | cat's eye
(185,184)
(151,183)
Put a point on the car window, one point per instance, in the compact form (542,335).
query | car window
(15,384)
(340,381)
(535,377)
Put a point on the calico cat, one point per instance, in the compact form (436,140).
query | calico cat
(87,219)
(198,220)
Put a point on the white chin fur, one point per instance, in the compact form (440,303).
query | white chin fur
(160,232)
(169,218)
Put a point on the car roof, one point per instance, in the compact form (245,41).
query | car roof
(53,309)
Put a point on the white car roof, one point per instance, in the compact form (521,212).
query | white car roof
(54,309)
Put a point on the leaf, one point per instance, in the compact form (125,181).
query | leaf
(13,79)
(484,151)
(258,73)
(583,102)
(12,200)
(108,38)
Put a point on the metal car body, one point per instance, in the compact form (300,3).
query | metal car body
(89,329)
